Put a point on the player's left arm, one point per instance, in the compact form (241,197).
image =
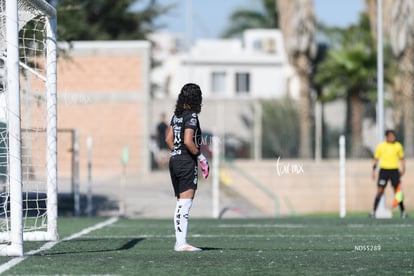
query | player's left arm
(402,160)
(402,166)
(169,138)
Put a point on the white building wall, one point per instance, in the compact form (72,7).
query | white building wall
(262,88)
(260,54)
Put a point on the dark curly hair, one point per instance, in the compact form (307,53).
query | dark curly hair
(190,98)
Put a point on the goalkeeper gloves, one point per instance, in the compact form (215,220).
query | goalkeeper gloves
(204,165)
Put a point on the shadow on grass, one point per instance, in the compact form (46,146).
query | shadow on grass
(90,246)
(211,248)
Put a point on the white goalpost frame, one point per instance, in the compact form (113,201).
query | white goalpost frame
(16,234)
(15,168)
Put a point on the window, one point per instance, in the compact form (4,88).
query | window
(269,45)
(257,45)
(218,82)
(242,83)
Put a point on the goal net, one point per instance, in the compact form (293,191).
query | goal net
(28,124)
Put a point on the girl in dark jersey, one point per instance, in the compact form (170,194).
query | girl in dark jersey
(183,139)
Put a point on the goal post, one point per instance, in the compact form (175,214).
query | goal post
(28,112)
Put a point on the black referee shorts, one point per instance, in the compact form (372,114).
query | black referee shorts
(184,173)
(385,175)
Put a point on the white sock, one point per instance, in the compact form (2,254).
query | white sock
(182,210)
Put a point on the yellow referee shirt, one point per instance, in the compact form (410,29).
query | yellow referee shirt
(389,154)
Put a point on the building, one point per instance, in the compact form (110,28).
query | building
(234,74)
(255,67)
(103,94)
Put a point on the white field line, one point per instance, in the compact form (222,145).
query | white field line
(6,266)
(241,236)
(262,225)
(384,226)
(306,225)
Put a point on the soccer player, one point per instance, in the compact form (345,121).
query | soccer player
(184,139)
(161,132)
(163,152)
(390,153)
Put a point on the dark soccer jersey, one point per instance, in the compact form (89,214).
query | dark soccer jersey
(187,119)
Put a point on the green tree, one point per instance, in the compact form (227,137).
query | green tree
(281,124)
(265,16)
(349,71)
(107,20)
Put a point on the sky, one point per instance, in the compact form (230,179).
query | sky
(210,17)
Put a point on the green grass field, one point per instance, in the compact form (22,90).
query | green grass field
(317,245)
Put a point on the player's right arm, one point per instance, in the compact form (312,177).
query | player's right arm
(374,168)
(375,162)
(192,148)
(189,141)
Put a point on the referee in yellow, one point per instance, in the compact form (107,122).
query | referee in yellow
(390,153)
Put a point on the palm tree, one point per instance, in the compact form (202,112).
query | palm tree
(398,25)
(242,19)
(402,43)
(349,71)
(298,25)
(372,14)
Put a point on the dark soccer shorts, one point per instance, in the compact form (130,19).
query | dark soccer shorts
(184,173)
(385,175)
